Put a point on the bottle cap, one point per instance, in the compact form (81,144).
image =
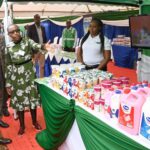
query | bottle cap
(118,92)
(134,88)
(126,91)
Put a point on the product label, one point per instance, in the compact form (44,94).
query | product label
(114,107)
(107,109)
(145,125)
(126,115)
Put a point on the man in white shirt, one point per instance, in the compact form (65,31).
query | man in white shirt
(37,33)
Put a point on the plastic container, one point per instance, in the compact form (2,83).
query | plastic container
(97,92)
(105,86)
(145,121)
(107,102)
(102,102)
(125,81)
(117,84)
(114,104)
(97,106)
(143,91)
(130,112)
(145,83)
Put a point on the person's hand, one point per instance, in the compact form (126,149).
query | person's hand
(9,90)
(48,47)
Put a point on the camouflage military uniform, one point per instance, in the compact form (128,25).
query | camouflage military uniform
(20,74)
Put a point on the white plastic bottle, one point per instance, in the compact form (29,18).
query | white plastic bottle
(145,120)
(108,96)
(114,105)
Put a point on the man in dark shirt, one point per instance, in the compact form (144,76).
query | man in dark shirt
(3,93)
(37,33)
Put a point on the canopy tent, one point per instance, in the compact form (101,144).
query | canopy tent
(71,6)
(120,2)
(55,9)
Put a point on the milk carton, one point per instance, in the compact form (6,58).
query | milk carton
(145,121)
(107,102)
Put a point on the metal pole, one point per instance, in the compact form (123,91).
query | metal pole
(6,22)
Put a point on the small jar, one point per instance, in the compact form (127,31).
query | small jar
(97,92)
(97,106)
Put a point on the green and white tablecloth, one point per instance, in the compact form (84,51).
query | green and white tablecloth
(60,55)
(60,115)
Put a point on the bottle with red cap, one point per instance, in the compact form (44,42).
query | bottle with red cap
(130,111)
(121,117)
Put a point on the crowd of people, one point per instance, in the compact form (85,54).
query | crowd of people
(18,59)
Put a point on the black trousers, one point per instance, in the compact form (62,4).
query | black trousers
(94,66)
(3,92)
(67,49)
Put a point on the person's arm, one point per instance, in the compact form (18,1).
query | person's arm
(80,55)
(106,53)
(41,48)
(8,72)
(103,63)
(80,52)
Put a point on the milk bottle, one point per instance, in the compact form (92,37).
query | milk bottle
(105,85)
(107,102)
(114,104)
(130,111)
(145,121)
(143,91)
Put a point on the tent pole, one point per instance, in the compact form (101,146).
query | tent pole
(11,12)
(6,22)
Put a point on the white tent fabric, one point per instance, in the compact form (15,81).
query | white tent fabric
(64,23)
(53,9)
(120,23)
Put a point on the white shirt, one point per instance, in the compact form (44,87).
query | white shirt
(39,31)
(92,54)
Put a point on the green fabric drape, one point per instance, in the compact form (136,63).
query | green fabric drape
(145,9)
(116,15)
(59,114)
(121,2)
(59,118)
(110,15)
(97,135)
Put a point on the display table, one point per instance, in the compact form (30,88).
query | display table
(70,124)
(124,56)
